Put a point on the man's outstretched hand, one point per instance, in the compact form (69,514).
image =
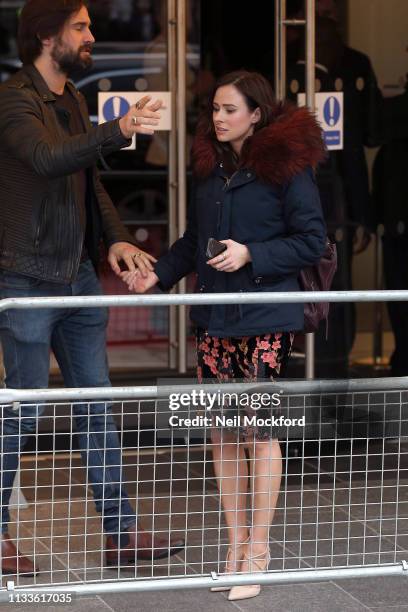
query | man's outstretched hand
(141,118)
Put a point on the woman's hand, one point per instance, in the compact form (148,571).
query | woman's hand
(235,257)
(137,282)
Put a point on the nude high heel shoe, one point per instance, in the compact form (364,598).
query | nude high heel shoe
(229,559)
(257,563)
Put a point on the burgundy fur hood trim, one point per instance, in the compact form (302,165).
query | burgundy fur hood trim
(276,153)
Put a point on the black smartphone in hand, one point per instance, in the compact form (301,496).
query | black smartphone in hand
(214,248)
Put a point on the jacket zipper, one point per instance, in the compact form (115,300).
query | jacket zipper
(75,252)
(219,215)
(75,221)
(43,213)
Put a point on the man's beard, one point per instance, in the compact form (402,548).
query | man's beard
(71,62)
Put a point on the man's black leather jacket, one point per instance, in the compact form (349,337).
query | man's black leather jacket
(40,229)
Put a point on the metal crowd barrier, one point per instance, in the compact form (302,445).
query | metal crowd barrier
(341,510)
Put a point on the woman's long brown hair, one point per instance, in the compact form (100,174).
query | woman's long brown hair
(257,93)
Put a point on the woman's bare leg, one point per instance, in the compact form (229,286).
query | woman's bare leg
(231,471)
(266,473)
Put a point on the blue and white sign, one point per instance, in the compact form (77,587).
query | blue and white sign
(330,114)
(114,107)
(115,104)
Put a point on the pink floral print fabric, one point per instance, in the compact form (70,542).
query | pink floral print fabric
(250,358)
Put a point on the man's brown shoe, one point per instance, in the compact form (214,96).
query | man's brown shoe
(142,546)
(12,561)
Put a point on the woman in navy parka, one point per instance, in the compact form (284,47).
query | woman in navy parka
(253,162)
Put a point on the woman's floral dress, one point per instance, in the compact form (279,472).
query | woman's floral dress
(250,358)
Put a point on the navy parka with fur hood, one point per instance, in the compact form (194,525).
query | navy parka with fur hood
(271,204)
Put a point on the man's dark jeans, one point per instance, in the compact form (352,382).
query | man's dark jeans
(78,339)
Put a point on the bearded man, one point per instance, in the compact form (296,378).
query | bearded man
(54,213)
